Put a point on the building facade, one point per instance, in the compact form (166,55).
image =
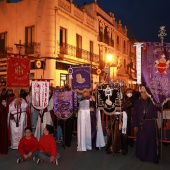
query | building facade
(56,34)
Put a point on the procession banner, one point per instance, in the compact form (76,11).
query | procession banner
(18,69)
(40,94)
(155,74)
(108,98)
(65,103)
(81,78)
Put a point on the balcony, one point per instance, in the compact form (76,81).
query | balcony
(5,50)
(32,48)
(28,48)
(106,40)
(67,50)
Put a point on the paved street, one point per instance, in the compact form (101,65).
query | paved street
(90,160)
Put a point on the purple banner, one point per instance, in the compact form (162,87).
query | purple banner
(64,103)
(81,78)
(156,71)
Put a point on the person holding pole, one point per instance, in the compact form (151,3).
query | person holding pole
(146,129)
(17,119)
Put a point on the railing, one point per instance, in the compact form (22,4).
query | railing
(2,52)
(65,5)
(76,13)
(70,50)
(5,50)
(32,48)
(108,41)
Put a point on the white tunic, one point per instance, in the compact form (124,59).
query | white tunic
(34,112)
(16,133)
(46,120)
(84,126)
(100,142)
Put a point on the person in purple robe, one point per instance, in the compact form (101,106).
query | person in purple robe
(145,128)
(93,119)
(3,123)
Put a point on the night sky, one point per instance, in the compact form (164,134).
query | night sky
(143,18)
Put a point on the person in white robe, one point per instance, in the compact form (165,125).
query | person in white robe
(100,141)
(44,118)
(17,118)
(84,126)
(33,112)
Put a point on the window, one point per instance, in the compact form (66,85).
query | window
(63,79)
(105,32)
(118,42)
(78,46)
(3,41)
(91,51)
(112,39)
(124,63)
(124,46)
(63,40)
(29,39)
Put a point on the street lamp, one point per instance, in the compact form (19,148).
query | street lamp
(107,67)
(109,57)
(111,62)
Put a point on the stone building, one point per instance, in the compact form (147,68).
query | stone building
(57,33)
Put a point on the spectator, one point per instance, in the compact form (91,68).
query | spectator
(28,146)
(47,147)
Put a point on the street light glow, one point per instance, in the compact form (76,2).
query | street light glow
(109,57)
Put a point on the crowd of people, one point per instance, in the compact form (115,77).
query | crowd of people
(22,127)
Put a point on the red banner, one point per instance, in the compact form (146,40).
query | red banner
(18,72)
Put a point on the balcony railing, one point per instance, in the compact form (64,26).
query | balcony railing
(32,48)
(70,50)
(106,40)
(5,50)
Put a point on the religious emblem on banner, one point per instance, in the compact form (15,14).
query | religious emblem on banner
(40,94)
(155,75)
(81,78)
(108,98)
(65,103)
(18,69)
(162,65)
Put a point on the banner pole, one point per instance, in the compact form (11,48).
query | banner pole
(161,132)
(111,120)
(64,133)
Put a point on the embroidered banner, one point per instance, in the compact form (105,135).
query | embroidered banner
(18,69)
(155,74)
(40,94)
(108,98)
(65,103)
(81,77)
